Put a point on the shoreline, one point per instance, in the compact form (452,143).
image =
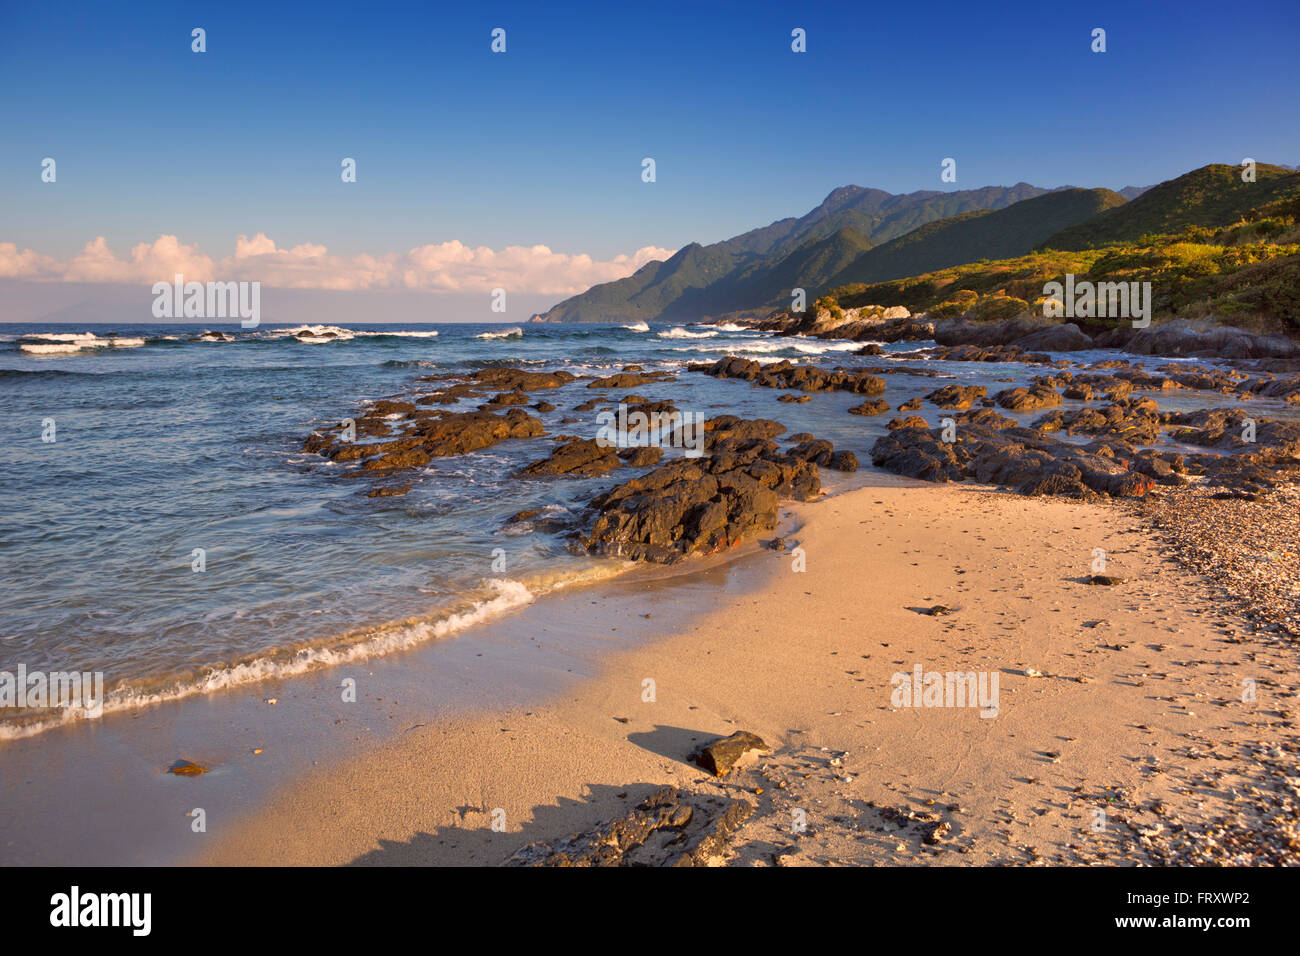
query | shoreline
(1110,699)
(253,736)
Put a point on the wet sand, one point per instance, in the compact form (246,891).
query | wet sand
(96,792)
(1121,734)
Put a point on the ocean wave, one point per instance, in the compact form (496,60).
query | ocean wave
(69,343)
(758,348)
(727,327)
(321,334)
(637,327)
(360,645)
(511,333)
(677,332)
(822,347)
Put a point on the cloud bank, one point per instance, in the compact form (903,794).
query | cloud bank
(449,267)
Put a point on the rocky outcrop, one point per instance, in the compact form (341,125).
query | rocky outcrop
(1020,458)
(872,406)
(981,353)
(585,458)
(1201,338)
(956,397)
(630,379)
(806,378)
(1027,399)
(700,505)
(1025,332)
(867,323)
(992,449)
(436,434)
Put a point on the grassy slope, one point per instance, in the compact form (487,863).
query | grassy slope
(1235,254)
(1001,234)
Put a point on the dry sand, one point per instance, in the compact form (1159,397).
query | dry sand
(1134,742)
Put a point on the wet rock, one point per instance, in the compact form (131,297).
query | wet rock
(586,458)
(873,406)
(458,433)
(805,378)
(956,397)
(818,451)
(976,353)
(1027,399)
(642,456)
(513,379)
(388,491)
(844,461)
(700,505)
(630,379)
(911,421)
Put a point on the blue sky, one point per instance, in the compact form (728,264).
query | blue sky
(543,145)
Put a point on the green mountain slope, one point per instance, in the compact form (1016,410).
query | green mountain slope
(999,234)
(730,275)
(1212,197)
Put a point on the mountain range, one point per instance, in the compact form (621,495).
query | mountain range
(863,236)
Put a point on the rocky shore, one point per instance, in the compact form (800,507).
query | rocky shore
(1183,338)
(696,504)
(1116,442)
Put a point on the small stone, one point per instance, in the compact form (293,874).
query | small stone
(186,768)
(1105,579)
(721,755)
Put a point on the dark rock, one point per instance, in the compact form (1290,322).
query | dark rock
(1027,399)
(1055,338)
(388,491)
(700,505)
(668,828)
(582,457)
(186,768)
(956,396)
(720,756)
(872,406)
(844,461)
(643,456)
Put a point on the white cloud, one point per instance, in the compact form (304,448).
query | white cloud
(445,267)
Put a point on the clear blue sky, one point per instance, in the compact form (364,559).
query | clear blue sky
(544,143)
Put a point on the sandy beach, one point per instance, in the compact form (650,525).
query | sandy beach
(1121,734)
